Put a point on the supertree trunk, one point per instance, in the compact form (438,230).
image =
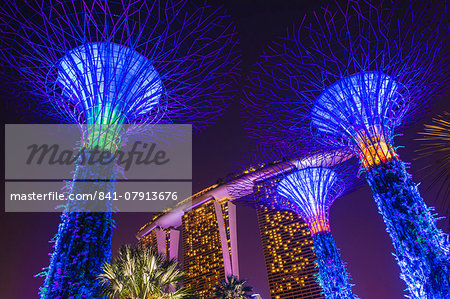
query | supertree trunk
(83,241)
(422,250)
(113,63)
(82,245)
(332,274)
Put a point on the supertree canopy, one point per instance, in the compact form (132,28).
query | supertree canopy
(348,77)
(312,192)
(359,107)
(110,83)
(102,64)
(307,186)
(126,61)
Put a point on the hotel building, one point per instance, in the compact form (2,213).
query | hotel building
(201,233)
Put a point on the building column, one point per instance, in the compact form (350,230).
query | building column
(230,253)
(232,222)
(161,241)
(223,239)
(174,243)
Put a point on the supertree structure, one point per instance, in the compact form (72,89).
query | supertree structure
(349,76)
(307,186)
(102,64)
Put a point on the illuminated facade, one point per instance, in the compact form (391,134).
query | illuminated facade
(289,255)
(165,240)
(206,256)
(208,235)
(288,250)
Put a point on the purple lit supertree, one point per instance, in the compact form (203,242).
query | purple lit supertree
(104,64)
(349,76)
(307,186)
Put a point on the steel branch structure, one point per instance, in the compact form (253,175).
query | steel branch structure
(308,186)
(349,76)
(102,64)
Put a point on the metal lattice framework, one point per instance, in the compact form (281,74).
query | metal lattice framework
(313,191)
(103,64)
(120,61)
(349,76)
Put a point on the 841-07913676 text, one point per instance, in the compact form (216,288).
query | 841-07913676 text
(102,196)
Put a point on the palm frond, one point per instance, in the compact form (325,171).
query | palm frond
(141,272)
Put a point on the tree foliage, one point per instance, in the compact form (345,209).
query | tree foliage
(140,272)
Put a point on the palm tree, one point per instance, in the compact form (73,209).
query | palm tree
(232,288)
(141,273)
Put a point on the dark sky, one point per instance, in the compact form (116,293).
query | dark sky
(357,227)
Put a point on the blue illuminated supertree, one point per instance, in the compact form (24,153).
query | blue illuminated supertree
(349,76)
(102,64)
(307,186)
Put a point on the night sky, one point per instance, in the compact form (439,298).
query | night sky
(357,227)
